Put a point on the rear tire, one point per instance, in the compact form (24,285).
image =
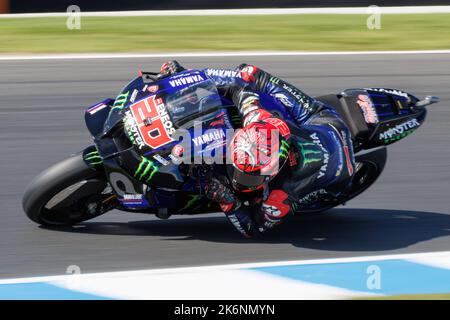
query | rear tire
(43,192)
(370,165)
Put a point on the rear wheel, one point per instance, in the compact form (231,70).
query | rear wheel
(67,193)
(369,167)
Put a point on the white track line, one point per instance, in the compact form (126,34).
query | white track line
(228,12)
(241,266)
(211,285)
(69,56)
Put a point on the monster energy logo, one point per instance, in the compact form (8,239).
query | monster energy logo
(93,157)
(236,119)
(399,129)
(146,170)
(274,80)
(191,202)
(284,149)
(120,101)
(398,137)
(309,152)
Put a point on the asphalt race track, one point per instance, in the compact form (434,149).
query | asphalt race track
(41,122)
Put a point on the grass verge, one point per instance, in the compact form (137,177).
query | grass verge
(225,33)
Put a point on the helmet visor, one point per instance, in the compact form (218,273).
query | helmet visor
(242,180)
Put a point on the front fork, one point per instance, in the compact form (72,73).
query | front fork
(105,201)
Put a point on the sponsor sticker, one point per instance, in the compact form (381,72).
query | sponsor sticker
(390,91)
(347,156)
(341,155)
(223,73)
(292,159)
(161,160)
(152,121)
(153,88)
(301,98)
(369,112)
(120,101)
(186,80)
(274,80)
(284,100)
(133,198)
(326,156)
(134,201)
(312,197)
(133,95)
(96,108)
(208,137)
(220,120)
(175,160)
(132,130)
(178,150)
(399,129)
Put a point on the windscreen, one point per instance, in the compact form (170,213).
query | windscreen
(187,103)
(121,103)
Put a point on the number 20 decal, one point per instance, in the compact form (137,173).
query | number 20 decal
(153,122)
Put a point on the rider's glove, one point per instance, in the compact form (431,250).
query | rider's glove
(273,210)
(170,68)
(236,213)
(222,194)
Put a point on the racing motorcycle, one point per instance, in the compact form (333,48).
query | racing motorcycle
(141,125)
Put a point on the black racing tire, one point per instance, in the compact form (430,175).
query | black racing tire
(48,184)
(371,165)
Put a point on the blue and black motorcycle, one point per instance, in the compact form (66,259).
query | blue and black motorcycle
(139,164)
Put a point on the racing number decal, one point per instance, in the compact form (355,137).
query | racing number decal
(153,122)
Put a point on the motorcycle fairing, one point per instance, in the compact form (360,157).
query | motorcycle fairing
(386,103)
(95,116)
(392,108)
(394,114)
(115,150)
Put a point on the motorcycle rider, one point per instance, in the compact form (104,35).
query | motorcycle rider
(314,156)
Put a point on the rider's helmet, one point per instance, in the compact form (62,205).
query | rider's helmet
(258,152)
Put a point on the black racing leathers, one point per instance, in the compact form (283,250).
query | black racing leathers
(320,158)
(321,153)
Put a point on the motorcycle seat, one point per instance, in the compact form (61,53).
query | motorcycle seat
(350,112)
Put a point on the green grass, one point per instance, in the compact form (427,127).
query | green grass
(225,33)
(441,296)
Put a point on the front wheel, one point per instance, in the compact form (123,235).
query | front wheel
(67,193)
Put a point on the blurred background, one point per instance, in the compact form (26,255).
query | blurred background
(42,100)
(16,6)
(189,32)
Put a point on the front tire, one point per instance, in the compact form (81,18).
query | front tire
(67,193)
